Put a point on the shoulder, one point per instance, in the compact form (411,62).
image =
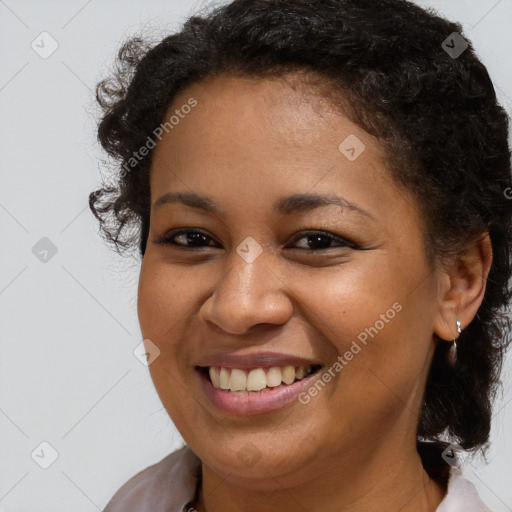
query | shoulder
(166,485)
(461,496)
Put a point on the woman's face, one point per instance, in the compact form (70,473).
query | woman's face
(300,250)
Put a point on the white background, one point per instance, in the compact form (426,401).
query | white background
(69,326)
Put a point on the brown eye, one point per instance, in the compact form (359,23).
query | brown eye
(320,240)
(187,239)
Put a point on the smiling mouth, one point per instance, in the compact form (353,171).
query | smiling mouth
(242,381)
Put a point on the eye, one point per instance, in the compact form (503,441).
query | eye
(187,239)
(194,238)
(319,240)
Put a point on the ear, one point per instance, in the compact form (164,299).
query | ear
(462,287)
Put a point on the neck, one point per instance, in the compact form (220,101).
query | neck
(347,483)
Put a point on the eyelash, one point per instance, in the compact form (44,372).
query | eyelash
(168,239)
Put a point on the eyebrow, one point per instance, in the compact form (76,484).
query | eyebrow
(295,203)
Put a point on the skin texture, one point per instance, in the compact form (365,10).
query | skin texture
(248,143)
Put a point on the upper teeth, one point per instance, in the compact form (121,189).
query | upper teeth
(255,380)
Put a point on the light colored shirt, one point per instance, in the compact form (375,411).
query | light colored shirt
(171,485)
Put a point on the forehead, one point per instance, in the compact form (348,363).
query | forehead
(260,130)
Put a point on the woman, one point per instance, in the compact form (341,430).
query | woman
(320,196)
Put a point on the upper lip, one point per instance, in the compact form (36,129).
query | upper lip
(254,360)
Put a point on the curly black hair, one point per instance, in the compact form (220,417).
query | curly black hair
(392,66)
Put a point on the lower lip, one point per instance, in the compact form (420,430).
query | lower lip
(255,402)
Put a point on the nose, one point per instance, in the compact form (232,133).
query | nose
(248,294)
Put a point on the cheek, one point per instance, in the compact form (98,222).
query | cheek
(379,329)
(163,307)
(163,299)
(343,302)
